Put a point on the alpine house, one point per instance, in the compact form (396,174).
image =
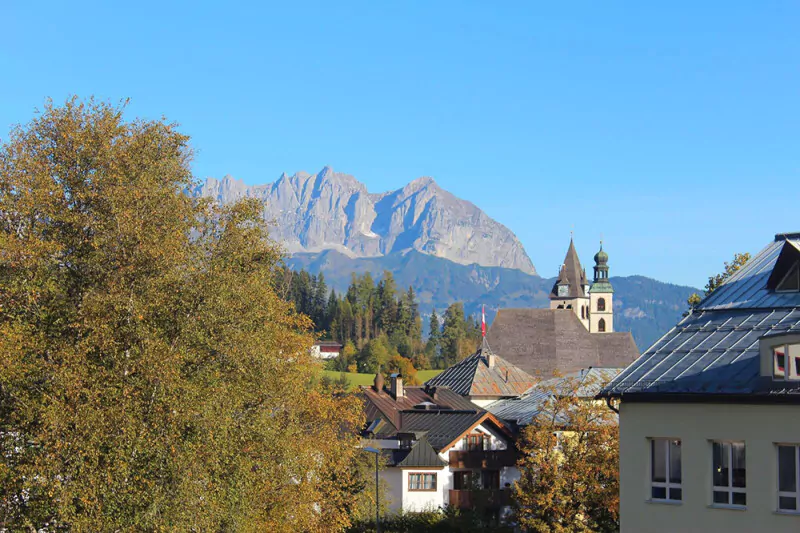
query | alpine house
(440,449)
(710,414)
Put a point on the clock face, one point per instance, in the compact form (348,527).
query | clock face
(563,290)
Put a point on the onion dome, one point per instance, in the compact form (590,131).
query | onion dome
(601,256)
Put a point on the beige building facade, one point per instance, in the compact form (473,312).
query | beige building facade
(761,428)
(710,414)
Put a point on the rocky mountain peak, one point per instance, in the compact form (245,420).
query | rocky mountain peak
(332,210)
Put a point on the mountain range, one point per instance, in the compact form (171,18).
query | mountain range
(446,248)
(334,211)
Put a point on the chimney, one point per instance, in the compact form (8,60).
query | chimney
(397,385)
(491,359)
(378,383)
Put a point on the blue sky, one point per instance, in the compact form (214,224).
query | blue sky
(671,129)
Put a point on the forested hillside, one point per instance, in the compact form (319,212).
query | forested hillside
(646,307)
(380,324)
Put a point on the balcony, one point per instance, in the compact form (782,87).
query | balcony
(480,499)
(491,459)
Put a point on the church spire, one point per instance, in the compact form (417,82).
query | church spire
(571,278)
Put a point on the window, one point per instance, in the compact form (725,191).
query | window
(491,479)
(475,442)
(788,477)
(786,362)
(601,326)
(583,311)
(665,470)
(422,482)
(790,282)
(729,474)
(465,480)
(601,304)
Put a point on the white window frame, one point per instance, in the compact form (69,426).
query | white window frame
(787,494)
(789,364)
(667,485)
(730,489)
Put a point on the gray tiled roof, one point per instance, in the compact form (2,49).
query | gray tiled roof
(474,377)
(543,342)
(715,350)
(521,411)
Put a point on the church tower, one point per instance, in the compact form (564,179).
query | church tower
(571,289)
(601,295)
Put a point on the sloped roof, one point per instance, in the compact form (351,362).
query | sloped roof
(543,342)
(421,454)
(383,403)
(441,427)
(450,416)
(715,350)
(474,377)
(521,411)
(574,273)
(747,288)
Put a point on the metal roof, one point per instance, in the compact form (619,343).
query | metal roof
(710,352)
(421,454)
(523,410)
(442,427)
(382,404)
(474,377)
(747,288)
(450,417)
(715,350)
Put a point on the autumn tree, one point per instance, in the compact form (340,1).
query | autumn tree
(569,458)
(716,280)
(151,377)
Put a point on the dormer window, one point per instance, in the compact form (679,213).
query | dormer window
(405,440)
(786,362)
(791,281)
(785,276)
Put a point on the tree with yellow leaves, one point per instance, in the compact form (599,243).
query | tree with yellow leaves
(151,378)
(569,463)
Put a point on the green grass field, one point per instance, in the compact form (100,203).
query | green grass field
(356,380)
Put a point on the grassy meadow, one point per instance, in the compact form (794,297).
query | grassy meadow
(356,380)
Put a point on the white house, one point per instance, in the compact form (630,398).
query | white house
(326,349)
(440,448)
(710,414)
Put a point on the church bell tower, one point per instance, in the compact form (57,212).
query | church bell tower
(570,290)
(601,296)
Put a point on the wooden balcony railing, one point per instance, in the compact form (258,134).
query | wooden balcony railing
(487,499)
(491,459)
